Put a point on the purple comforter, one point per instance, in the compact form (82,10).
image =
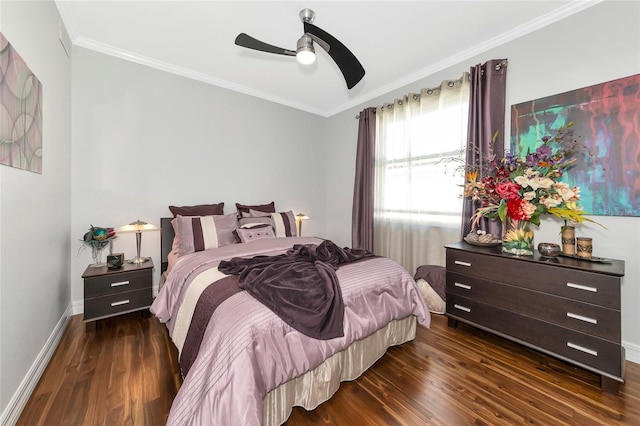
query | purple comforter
(247,350)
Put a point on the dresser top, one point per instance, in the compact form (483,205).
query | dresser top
(609,267)
(99,271)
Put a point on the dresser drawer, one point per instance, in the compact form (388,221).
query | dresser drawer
(584,317)
(117,283)
(104,306)
(589,287)
(591,352)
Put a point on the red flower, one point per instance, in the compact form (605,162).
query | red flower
(520,209)
(508,190)
(502,174)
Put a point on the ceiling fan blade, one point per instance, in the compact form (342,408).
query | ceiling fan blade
(249,42)
(349,65)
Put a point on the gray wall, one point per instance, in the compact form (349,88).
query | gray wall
(144,139)
(35,209)
(599,44)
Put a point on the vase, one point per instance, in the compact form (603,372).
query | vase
(568,240)
(517,237)
(96,254)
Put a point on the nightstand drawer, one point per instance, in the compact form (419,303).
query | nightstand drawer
(98,307)
(573,314)
(117,283)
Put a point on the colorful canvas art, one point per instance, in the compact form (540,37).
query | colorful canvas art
(606,121)
(20,112)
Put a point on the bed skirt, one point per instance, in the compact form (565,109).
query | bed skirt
(318,385)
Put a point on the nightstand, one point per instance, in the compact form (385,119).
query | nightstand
(112,292)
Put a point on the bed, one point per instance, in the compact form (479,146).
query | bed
(246,364)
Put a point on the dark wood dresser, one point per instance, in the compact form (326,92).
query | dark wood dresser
(564,307)
(111,292)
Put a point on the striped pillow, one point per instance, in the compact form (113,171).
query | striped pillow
(198,233)
(284,223)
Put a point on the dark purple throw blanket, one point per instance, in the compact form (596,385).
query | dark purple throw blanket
(301,286)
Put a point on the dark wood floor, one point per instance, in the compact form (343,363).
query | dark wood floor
(126,374)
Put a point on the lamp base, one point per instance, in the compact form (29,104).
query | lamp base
(138,260)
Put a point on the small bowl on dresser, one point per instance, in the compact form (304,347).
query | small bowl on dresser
(549,249)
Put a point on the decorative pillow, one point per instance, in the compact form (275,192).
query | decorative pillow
(197,233)
(256,233)
(284,223)
(265,208)
(436,276)
(250,222)
(199,210)
(434,302)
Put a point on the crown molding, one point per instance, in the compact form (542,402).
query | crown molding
(556,15)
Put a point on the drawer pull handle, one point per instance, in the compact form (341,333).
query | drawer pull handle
(461,263)
(581,318)
(582,349)
(462,308)
(466,287)
(582,287)
(122,302)
(119,283)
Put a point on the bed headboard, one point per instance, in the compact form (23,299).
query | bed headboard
(166,242)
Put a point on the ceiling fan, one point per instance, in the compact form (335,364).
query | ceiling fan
(349,65)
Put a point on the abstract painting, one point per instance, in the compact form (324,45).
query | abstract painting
(20,112)
(606,121)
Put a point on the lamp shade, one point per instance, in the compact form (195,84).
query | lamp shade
(138,226)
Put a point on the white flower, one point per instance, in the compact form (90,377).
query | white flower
(567,193)
(530,195)
(535,183)
(550,202)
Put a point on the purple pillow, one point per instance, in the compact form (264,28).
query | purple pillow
(250,222)
(198,233)
(265,208)
(284,223)
(256,233)
(199,210)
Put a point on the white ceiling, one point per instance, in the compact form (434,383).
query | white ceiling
(397,42)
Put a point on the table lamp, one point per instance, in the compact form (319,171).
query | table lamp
(299,218)
(138,227)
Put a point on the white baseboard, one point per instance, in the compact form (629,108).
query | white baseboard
(78,307)
(14,408)
(632,352)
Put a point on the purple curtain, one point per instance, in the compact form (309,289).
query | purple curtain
(486,116)
(362,213)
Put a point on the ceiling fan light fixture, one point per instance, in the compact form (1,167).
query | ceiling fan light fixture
(305,53)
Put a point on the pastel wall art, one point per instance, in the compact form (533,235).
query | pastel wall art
(606,128)
(20,112)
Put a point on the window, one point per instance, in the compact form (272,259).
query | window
(420,141)
(422,180)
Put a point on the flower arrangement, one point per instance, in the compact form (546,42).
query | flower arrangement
(98,238)
(521,190)
(525,189)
